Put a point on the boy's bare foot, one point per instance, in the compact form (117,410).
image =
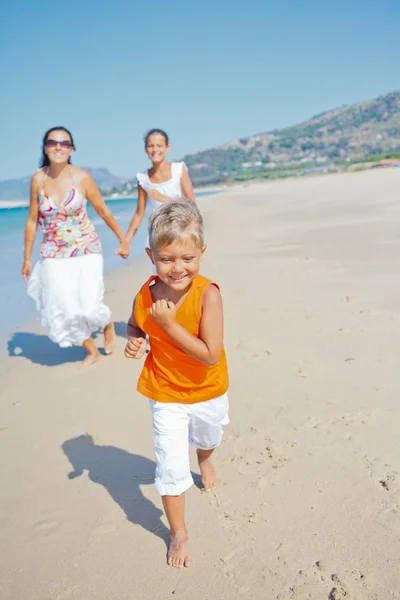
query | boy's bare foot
(109,338)
(208,473)
(178,552)
(89,360)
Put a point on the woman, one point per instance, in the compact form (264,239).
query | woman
(67,284)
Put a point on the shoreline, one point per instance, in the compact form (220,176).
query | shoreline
(10,204)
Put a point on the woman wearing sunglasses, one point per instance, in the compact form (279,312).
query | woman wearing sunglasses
(67,284)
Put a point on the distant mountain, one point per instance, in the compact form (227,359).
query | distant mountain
(18,189)
(106,180)
(15,189)
(324,142)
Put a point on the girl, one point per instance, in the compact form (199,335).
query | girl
(164,181)
(67,284)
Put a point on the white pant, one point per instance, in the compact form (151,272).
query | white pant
(175,426)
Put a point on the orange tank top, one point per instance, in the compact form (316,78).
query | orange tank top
(169,374)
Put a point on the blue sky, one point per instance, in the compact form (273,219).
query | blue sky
(206,72)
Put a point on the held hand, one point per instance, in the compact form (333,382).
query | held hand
(26,270)
(156,195)
(123,249)
(164,312)
(135,348)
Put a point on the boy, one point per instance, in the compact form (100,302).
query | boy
(185,374)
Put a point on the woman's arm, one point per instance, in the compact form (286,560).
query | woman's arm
(138,216)
(31,227)
(93,195)
(207,347)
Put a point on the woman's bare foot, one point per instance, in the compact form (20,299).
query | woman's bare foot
(91,358)
(109,338)
(208,473)
(178,552)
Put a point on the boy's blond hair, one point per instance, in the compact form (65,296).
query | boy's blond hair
(175,221)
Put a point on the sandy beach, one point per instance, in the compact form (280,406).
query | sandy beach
(308,504)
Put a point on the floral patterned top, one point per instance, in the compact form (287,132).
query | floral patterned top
(68,230)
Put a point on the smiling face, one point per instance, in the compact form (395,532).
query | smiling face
(58,153)
(178,263)
(157,148)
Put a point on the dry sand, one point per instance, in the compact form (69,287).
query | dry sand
(308,505)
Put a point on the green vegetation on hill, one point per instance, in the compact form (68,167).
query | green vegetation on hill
(378,157)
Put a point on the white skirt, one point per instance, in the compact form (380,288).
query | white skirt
(68,293)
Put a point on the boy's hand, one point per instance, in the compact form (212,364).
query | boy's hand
(135,348)
(164,312)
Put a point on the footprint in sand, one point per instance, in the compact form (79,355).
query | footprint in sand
(390,482)
(381,472)
(63,590)
(318,582)
(350,419)
(244,568)
(277,459)
(303,369)
(272,458)
(229,520)
(45,524)
(103,529)
(389,518)
(254,357)
(349,299)
(257,357)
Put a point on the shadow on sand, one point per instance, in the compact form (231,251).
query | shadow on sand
(122,474)
(39,349)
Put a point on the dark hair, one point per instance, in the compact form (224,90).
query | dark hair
(44,160)
(156,131)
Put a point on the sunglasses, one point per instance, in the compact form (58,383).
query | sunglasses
(54,143)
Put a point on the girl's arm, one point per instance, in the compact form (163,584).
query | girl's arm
(138,216)
(186,185)
(207,347)
(93,195)
(136,345)
(30,228)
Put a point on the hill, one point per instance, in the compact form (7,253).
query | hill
(338,136)
(18,189)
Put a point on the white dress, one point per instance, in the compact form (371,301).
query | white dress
(171,188)
(67,283)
